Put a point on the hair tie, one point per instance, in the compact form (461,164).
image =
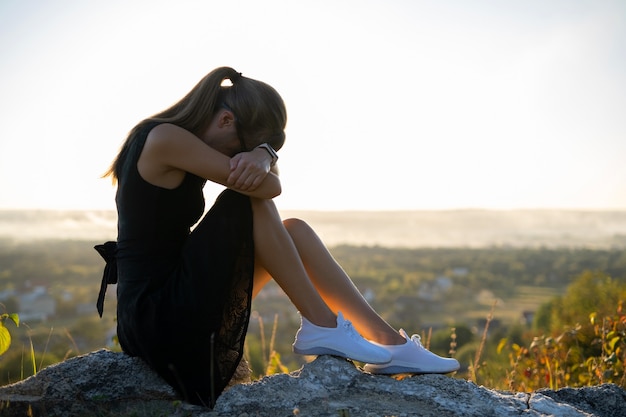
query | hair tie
(235,77)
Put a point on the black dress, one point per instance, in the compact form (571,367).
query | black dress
(183,296)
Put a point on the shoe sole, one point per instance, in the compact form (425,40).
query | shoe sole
(390,370)
(328,351)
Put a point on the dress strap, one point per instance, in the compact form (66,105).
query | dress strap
(108,251)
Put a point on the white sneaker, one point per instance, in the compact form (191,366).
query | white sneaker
(413,358)
(342,340)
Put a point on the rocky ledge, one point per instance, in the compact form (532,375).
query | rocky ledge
(105,383)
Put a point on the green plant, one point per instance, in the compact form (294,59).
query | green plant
(476,364)
(610,333)
(263,356)
(274,364)
(583,355)
(5,335)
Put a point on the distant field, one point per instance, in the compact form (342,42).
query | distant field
(529,298)
(526,298)
(453,228)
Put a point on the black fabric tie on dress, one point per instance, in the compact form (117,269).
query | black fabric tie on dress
(107,251)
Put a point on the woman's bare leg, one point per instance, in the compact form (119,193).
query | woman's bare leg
(277,255)
(261,277)
(336,288)
(298,260)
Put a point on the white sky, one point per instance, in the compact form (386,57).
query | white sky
(392,104)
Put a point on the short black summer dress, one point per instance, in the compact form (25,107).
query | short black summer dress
(183,296)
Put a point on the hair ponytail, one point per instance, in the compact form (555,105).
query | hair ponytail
(260,111)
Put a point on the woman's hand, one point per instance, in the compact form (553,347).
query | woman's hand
(249,169)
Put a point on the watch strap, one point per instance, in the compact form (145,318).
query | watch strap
(271,151)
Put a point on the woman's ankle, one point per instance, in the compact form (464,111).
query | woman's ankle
(390,339)
(321,320)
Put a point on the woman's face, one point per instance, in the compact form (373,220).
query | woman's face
(221,134)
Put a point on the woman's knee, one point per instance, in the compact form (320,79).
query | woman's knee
(297,226)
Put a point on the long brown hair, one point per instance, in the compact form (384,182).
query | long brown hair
(259,111)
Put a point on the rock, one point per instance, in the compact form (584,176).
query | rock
(98,383)
(105,383)
(334,387)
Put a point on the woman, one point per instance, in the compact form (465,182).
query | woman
(184,296)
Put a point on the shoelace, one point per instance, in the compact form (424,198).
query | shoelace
(350,330)
(417,339)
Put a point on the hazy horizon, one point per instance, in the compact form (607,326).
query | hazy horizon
(598,229)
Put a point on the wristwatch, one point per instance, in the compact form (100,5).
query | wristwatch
(271,151)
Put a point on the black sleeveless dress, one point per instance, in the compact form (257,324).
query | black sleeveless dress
(183,296)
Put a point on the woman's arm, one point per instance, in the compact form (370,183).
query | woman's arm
(170,151)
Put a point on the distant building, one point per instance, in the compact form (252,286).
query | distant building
(86,308)
(434,290)
(528,317)
(6,294)
(36,304)
(460,271)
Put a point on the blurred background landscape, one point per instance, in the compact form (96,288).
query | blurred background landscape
(426,271)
